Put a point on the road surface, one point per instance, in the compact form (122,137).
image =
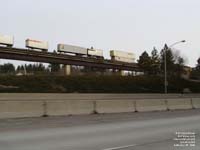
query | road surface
(128,131)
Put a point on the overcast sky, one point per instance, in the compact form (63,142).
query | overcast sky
(129,25)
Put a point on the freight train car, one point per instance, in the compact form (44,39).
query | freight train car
(97,53)
(71,49)
(116,55)
(122,56)
(35,44)
(6,40)
(90,52)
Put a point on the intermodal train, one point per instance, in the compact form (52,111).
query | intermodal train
(115,55)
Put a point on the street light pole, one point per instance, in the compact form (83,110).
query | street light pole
(165,70)
(165,62)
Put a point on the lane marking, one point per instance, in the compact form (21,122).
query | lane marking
(121,147)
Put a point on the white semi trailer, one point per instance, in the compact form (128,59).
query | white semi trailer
(95,52)
(6,40)
(90,52)
(117,53)
(122,56)
(35,44)
(71,49)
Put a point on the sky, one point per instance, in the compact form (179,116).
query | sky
(127,25)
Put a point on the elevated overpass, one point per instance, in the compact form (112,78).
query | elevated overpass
(57,58)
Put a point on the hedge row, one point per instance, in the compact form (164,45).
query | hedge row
(93,84)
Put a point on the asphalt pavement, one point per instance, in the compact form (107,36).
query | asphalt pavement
(127,131)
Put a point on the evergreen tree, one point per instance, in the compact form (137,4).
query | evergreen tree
(198,64)
(144,62)
(179,66)
(7,68)
(38,68)
(54,67)
(196,71)
(170,61)
(175,63)
(155,62)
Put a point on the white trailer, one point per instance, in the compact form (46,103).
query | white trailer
(116,53)
(6,40)
(35,44)
(71,49)
(95,52)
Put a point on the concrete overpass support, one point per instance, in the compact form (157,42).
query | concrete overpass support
(67,70)
(122,73)
(118,72)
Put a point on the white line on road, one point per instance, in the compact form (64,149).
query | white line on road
(121,147)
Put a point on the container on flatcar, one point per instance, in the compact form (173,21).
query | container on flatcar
(95,52)
(35,44)
(116,53)
(6,40)
(71,49)
(122,56)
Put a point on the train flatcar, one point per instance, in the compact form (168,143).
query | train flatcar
(35,44)
(6,40)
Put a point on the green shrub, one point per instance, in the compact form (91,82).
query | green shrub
(94,84)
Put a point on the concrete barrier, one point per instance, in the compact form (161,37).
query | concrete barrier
(151,105)
(36,105)
(69,107)
(17,109)
(115,106)
(183,103)
(196,102)
(81,107)
(57,108)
